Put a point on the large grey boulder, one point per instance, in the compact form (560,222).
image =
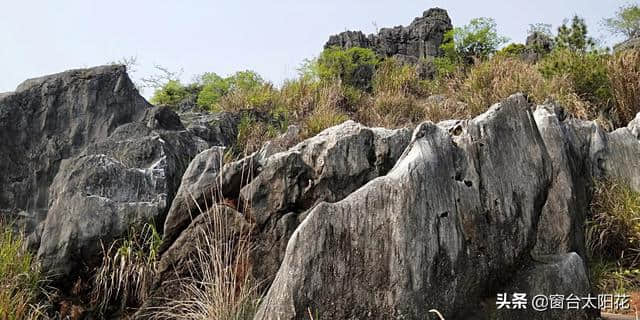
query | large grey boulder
(52,118)
(438,231)
(126,180)
(275,187)
(421,39)
(209,180)
(327,167)
(84,158)
(553,275)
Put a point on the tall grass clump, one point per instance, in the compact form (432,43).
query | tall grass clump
(328,109)
(496,79)
(252,134)
(21,281)
(624,75)
(128,267)
(219,285)
(613,236)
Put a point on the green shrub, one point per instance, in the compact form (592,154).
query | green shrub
(613,237)
(611,277)
(252,135)
(242,90)
(514,50)
(20,280)
(477,40)
(393,76)
(323,118)
(170,94)
(613,232)
(586,70)
(354,66)
(214,87)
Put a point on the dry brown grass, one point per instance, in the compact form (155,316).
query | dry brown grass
(624,75)
(614,229)
(128,267)
(613,238)
(220,285)
(496,79)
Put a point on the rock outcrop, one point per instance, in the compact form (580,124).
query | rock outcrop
(421,39)
(353,223)
(438,231)
(560,275)
(85,158)
(275,187)
(52,118)
(537,45)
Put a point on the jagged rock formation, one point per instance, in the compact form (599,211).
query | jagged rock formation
(460,215)
(85,157)
(52,118)
(421,39)
(537,45)
(438,230)
(280,186)
(355,222)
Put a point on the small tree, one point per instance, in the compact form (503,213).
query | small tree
(214,87)
(354,66)
(625,22)
(170,94)
(574,37)
(477,40)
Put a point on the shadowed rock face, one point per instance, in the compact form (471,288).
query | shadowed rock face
(85,158)
(421,39)
(52,118)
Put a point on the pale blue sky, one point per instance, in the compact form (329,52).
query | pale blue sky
(270,37)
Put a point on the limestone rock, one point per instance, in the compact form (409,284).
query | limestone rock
(52,118)
(564,275)
(421,39)
(437,231)
(561,225)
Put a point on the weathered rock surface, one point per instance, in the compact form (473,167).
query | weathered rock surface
(275,188)
(421,39)
(126,180)
(446,223)
(85,157)
(327,167)
(433,232)
(561,226)
(563,275)
(52,118)
(619,159)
